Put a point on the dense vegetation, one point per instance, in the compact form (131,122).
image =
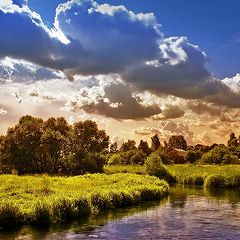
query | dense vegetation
(43,200)
(55,147)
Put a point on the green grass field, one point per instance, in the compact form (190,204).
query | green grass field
(210,175)
(41,200)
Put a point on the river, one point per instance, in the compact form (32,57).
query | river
(187,213)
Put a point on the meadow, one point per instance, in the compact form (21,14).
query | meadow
(211,176)
(41,200)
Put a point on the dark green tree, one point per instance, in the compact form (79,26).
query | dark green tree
(155,142)
(143,146)
(129,145)
(178,141)
(113,148)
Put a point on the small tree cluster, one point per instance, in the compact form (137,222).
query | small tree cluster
(53,146)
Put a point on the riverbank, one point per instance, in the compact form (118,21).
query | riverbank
(43,200)
(210,176)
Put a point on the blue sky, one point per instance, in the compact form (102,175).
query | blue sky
(213,25)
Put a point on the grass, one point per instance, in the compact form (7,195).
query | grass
(136,169)
(210,176)
(42,200)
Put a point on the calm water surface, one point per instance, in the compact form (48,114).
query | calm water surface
(188,213)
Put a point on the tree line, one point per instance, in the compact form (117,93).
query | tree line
(53,146)
(35,146)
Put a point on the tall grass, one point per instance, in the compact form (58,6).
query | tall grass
(136,169)
(43,200)
(210,176)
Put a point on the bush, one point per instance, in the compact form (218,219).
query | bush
(138,158)
(115,159)
(165,158)
(230,159)
(215,156)
(193,156)
(214,181)
(154,167)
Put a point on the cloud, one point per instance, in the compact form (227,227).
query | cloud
(3,111)
(115,100)
(144,131)
(23,71)
(233,83)
(166,129)
(92,39)
(170,112)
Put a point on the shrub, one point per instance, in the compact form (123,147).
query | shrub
(154,167)
(214,181)
(193,156)
(115,159)
(138,158)
(165,158)
(215,156)
(230,159)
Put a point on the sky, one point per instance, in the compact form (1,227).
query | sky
(135,67)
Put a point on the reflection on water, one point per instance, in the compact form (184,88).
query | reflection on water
(188,213)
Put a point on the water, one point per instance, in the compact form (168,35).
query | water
(187,213)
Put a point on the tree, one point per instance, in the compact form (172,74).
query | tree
(87,137)
(129,145)
(138,158)
(178,141)
(113,148)
(230,159)
(233,141)
(155,142)
(143,146)
(193,156)
(22,143)
(215,156)
(51,151)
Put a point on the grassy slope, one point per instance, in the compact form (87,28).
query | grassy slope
(43,200)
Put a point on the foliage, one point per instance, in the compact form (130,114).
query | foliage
(143,146)
(154,167)
(127,146)
(155,142)
(164,156)
(214,181)
(115,159)
(178,141)
(198,174)
(139,158)
(53,147)
(33,200)
(113,148)
(230,159)
(193,156)
(214,156)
